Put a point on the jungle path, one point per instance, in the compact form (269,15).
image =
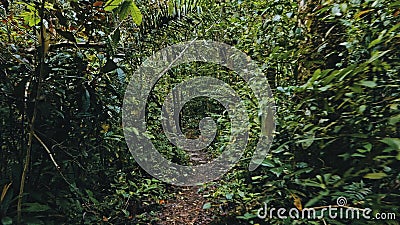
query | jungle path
(187,206)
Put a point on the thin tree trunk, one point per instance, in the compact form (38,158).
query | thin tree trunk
(32,122)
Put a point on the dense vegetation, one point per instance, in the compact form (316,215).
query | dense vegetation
(333,67)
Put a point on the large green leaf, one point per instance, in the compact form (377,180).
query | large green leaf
(129,8)
(393,144)
(136,14)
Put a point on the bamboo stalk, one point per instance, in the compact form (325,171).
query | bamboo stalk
(32,122)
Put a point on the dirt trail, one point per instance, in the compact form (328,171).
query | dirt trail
(187,207)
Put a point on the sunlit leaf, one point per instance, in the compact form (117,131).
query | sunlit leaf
(112,4)
(375,176)
(136,14)
(359,14)
(376,55)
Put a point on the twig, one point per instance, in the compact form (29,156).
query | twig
(53,160)
(48,151)
(61,147)
(127,202)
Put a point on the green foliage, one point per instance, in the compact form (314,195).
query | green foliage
(124,8)
(333,66)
